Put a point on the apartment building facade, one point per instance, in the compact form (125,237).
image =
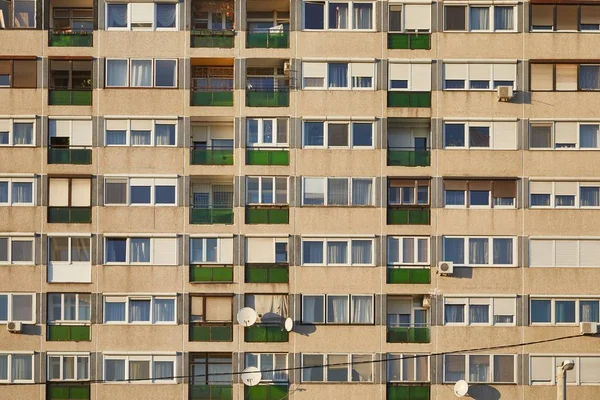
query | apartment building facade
(165,164)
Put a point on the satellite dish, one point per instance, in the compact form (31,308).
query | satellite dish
(461,388)
(251,376)
(288,324)
(246,316)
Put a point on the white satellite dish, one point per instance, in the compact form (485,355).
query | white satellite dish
(246,316)
(461,388)
(288,324)
(251,376)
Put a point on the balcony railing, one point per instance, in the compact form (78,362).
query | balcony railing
(402,215)
(267,273)
(71,391)
(212,155)
(210,392)
(267,214)
(211,215)
(409,275)
(409,41)
(69,333)
(211,333)
(69,155)
(70,215)
(408,334)
(268,98)
(265,333)
(61,38)
(409,99)
(212,97)
(266,392)
(60,97)
(267,156)
(400,391)
(268,39)
(408,157)
(213,38)
(209,273)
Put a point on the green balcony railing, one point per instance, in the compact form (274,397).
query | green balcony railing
(407,392)
(70,391)
(69,39)
(408,157)
(408,335)
(70,215)
(208,273)
(211,392)
(266,392)
(69,333)
(212,98)
(62,155)
(268,98)
(409,275)
(211,215)
(212,155)
(409,41)
(208,333)
(213,38)
(267,273)
(59,97)
(409,99)
(408,216)
(265,333)
(263,156)
(268,39)
(267,214)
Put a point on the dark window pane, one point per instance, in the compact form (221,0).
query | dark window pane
(140,195)
(116,250)
(338,134)
(455,135)
(165,195)
(314,15)
(455,18)
(479,136)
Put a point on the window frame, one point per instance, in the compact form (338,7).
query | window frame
(62,309)
(554,27)
(491,18)
(11,181)
(552,194)
(258,365)
(324,365)
(349,74)
(18,238)
(491,368)
(126,299)
(129,27)
(350,307)
(273,190)
(348,241)
(9,356)
(204,308)
(350,136)
(128,130)
(69,250)
(467,197)
(61,356)
(128,240)
(576,299)
(350,15)
(151,358)
(554,359)
(403,17)
(11,132)
(393,357)
(152,203)
(154,71)
(490,239)
(479,300)
(403,264)
(9,307)
(260,132)
(552,126)
(492,87)
(350,181)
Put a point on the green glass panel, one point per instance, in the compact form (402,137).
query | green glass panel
(397,217)
(421,42)
(398,99)
(81,215)
(202,274)
(278,275)
(257,157)
(397,335)
(212,216)
(59,97)
(408,275)
(408,158)
(80,392)
(222,334)
(224,39)
(278,40)
(398,41)
(58,156)
(212,157)
(398,393)
(222,274)
(420,276)
(81,98)
(279,157)
(213,99)
(259,333)
(58,392)
(419,393)
(398,275)
(71,40)
(211,392)
(260,392)
(419,335)
(420,99)
(81,156)
(257,275)
(58,332)
(257,216)
(80,333)
(408,335)
(257,40)
(418,217)
(200,333)
(267,99)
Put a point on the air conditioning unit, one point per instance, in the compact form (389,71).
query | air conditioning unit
(287,68)
(505,93)
(588,328)
(426,301)
(446,267)
(14,327)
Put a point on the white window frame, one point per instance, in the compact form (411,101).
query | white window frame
(62,310)
(348,242)
(128,249)
(491,15)
(259,366)
(467,79)
(273,192)
(467,203)
(350,16)
(70,250)
(11,181)
(398,358)
(475,124)
(553,301)
(491,367)
(9,365)
(468,301)
(164,121)
(552,125)
(554,359)
(350,76)
(349,356)
(110,298)
(151,358)
(260,127)
(409,80)
(9,307)
(350,123)
(9,240)
(12,122)
(152,191)
(490,239)
(554,240)
(350,308)
(400,240)
(217,251)
(403,5)
(61,357)
(326,196)
(129,15)
(581,184)
(129,74)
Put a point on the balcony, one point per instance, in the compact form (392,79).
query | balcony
(207,333)
(212,38)
(69,333)
(60,97)
(212,98)
(212,155)
(409,275)
(409,41)
(267,273)
(263,156)
(408,335)
(266,392)
(267,214)
(407,392)
(268,38)
(211,392)
(208,274)
(268,98)
(62,391)
(69,155)
(408,157)
(64,38)
(402,215)
(211,215)
(265,334)
(409,99)
(70,215)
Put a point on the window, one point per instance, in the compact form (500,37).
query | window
(565,18)
(73,20)
(480,251)
(564,77)
(271,308)
(140,191)
(340,368)
(408,192)
(338,75)
(19,307)
(337,134)
(407,250)
(71,75)
(266,190)
(125,132)
(267,250)
(68,367)
(17,192)
(409,18)
(70,192)
(264,132)
(156,73)
(141,250)
(140,310)
(63,307)
(16,368)
(338,251)
(18,74)
(478,76)
(405,312)
(407,367)
(479,18)
(17,132)
(337,309)
(480,311)
(211,250)
(412,77)
(564,135)
(211,369)
(211,309)
(340,191)
(338,15)
(17,14)
(141,16)
(497,135)
(478,368)
(480,193)
(542,369)
(564,252)
(562,194)
(70,250)
(65,133)
(272,365)
(564,310)
(140,368)
(16,250)
(216,21)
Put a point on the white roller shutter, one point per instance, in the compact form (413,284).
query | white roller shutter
(480,72)
(540,187)
(142,12)
(226,250)
(81,192)
(589,253)
(260,250)
(59,193)
(542,370)
(59,128)
(455,300)
(314,69)
(165,251)
(505,72)
(141,124)
(399,306)
(417,17)
(363,69)
(165,181)
(399,72)
(566,253)
(117,124)
(541,253)
(82,133)
(565,132)
(141,182)
(420,77)
(480,301)
(504,306)
(505,136)
(455,72)
(590,369)
(565,188)
(5,125)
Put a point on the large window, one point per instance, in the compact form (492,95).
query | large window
(17,132)
(140,132)
(141,250)
(480,193)
(272,365)
(404,312)
(17,191)
(337,251)
(477,18)
(18,307)
(564,252)
(68,20)
(211,250)
(210,369)
(563,311)
(70,75)
(16,367)
(409,17)
(499,311)
(542,369)
(338,309)
(141,16)
(271,308)
(70,132)
(480,368)
(407,367)
(408,192)
(413,77)
(267,132)
(159,310)
(266,190)
(141,73)
(337,368)
(563,194)
(16,250)
(140,191)
(17,14)
(19,74)
(479,76)
(337,191)
(70,192)
(211,309)
(568,18)
(564,135)
(69,307)
(480,251)
(267,250)
(140,368)
(408,250)
(565,77)
(497,135)
(338,15)
(338,75)
(337,134)
(69,259)
(68,366)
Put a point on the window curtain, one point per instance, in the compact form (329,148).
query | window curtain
(280,364)
(312,309)
(338,15)
(362,310)
(589,311)
(22,134)
(454,313)
(164,310)
(21,192)
(165,135)
(362,190)
(140,250)
(337,252)
(363,16)
(115,312)
(565,311)
(163,370)
(84,307)
(588,136)
(70,307)
(479,368)
(361,252)
(80,249)
(82,368)
(21,250)
(140,138)
(503,251)
(337,191)
(338,75)
(165,15)
(314,134)
(337,309)
(21,367)
(196,246)
(503,18)
(141,73)
(116,73)
(478,251)
(312,252)
(480,18)
(252,190)
(116,138)
(588,77)
(139,310)
(115,370)
(408,250)
(117,15)
(479,313)
(139,369)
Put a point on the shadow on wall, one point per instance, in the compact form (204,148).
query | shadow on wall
(484,392)
(33,330)
(305,329)
(463,272)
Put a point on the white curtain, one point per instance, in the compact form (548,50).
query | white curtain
(70,306)
(115,312)
(337,252)
(141,73)
(503,251)
(165,134)
(363,16)
(480,18)
(82,368)
(165,15)
(80,249)
(313,134)
(362,251)
(337,191)
(338,75)
(479,313)
(338,16)
(454,313)
(362,190)
(478,251)
(140,250)
(196,251)
(139,310)
(312,252)
(503,18)
(312,309)
(22,133)
(589,311)
(219,373)
(116,72)
(362,310)
(21,367)
(164,310)
(139,369)
(21,192)
(163,370)
(21,250)
(337,309)
(140,138)
(84,307)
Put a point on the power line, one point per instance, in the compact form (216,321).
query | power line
(288,369)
